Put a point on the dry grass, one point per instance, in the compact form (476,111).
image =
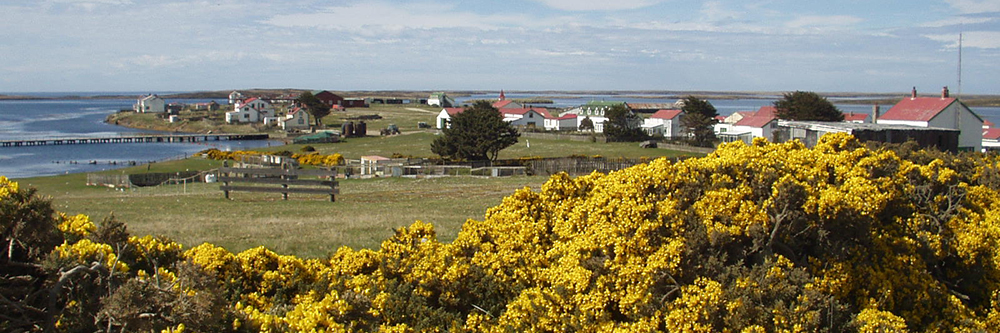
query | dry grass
(363,216)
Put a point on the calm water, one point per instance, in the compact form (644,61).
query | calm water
(82,118)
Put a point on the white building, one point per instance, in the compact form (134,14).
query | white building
(665,123)
(566,122)
(941,112)
(250,111)
(297,118)
(595,111)
(236,97)
(150,104)
(444,117)
(440,99)
(525,117)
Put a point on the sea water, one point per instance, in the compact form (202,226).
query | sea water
(65,118)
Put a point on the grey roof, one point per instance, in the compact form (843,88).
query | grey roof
(837,126)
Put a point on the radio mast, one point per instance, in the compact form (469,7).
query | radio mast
(959,64)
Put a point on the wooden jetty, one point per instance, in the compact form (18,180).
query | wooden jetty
(137,138)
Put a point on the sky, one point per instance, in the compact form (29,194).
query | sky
(515,45)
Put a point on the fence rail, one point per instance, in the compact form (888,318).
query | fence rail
(285,176)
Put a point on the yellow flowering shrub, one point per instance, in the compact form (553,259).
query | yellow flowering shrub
(752,238)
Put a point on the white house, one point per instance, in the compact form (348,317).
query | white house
(440,99)
(942,112)
(566,122)
(859,118)
(746,125)
(236,97)
(525,117)
(250,111)
(595,111)
(151,104)
(297,118)
(444,117)
(665,123)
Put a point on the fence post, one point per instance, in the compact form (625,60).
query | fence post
(286,167)
(225,184)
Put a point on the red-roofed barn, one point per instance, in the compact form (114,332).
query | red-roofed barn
(942,112)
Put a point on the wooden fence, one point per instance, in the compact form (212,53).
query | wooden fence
(576,166)
(285,176)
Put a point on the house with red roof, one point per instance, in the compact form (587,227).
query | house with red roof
(746,125)
(991,139)
(941,112)
(988,124)
(664,123)
(860,118)
(566,122)
(444,117)
(525,117)
(297,118)
(250,111)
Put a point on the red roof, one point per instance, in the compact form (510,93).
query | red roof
(501,104)
(988,124)
(454,111)
(720,118)
(992,134)
(767,111)
(251,99)
(755,121)
(666,114)
(295,110)
(851,116)
(917,109)
(564,117)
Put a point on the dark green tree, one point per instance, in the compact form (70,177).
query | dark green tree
(478,133)
(316,108)
(623,125)
(807,105)
(586,124)
(699,120)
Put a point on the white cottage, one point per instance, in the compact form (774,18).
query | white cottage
(252,110)
(566,122)
(942,112)
(665,123)
(151,104)
(297,118)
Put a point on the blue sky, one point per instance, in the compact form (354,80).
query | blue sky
(779,45)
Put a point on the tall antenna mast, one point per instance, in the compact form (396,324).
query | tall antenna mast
(959,64)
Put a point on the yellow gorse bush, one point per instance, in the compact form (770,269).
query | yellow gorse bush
(316,159)
(752,238)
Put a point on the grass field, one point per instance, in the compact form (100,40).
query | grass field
(365,213)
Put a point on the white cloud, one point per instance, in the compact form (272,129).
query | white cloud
(975,39)
(975,6)
(363,16)
(957,21)
(586,5)
(717,11)
(831,21)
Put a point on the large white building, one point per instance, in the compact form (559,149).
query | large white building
(665,123)
(252,110)
(595,110)
(150,103)
(941,112)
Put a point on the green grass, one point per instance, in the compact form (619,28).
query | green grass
(364,215)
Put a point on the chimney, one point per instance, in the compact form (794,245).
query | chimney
(944,92)
(913,94)
(875,111)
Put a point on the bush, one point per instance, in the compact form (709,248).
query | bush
(307,148)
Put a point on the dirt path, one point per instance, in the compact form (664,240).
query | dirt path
(421,110)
